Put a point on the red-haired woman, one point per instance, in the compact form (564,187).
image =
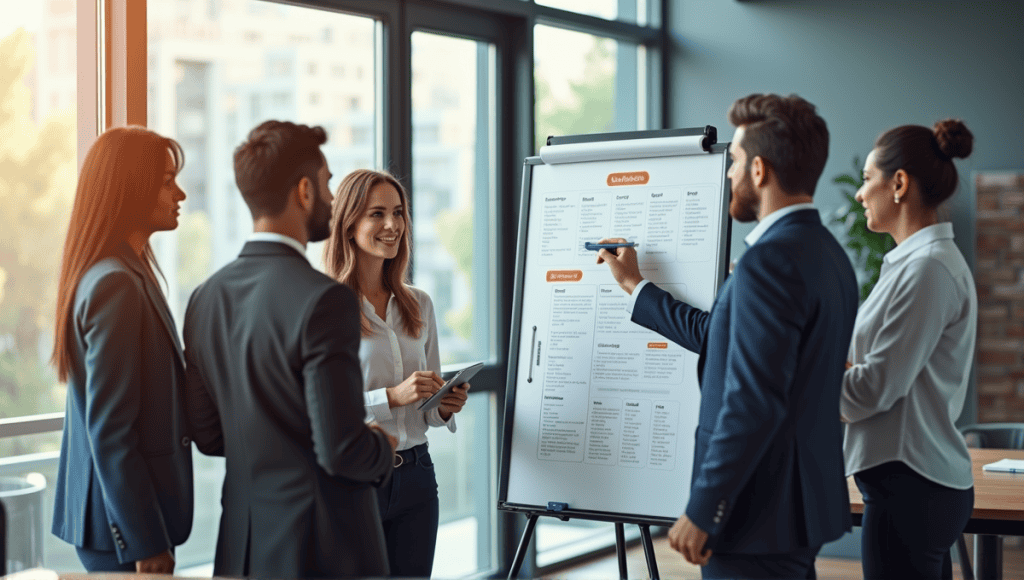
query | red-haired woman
(124,483)
(369,251)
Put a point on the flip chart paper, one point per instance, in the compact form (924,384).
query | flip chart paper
(606,410)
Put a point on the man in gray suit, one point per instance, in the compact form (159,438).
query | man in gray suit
(274,383)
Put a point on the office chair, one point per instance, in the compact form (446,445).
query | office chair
(994,435)
(987,436)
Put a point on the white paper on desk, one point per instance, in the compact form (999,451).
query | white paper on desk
(1006,465)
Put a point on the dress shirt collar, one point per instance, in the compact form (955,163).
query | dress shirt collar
(919,239)
(279,238)
(770,220)
(368,308)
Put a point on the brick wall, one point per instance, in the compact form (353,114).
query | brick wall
(999,274)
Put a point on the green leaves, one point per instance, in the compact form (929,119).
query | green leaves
(847,179)
(867,248)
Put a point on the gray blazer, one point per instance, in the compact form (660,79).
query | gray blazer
(124,481)
(274,386)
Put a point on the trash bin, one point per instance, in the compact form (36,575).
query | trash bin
(22,499)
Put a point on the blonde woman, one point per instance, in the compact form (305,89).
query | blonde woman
(369,251)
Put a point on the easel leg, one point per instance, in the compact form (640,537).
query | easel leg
(645,538)
(620,550)
(517,562)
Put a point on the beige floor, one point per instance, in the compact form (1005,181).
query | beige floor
(672,565)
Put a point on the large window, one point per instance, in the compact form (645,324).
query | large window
(453,189)
(37,181)
(450,96)
(213,76)
(638,11)
(587,84)
(38,152)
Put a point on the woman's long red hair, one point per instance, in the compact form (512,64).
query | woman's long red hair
(117,191)
(340,250)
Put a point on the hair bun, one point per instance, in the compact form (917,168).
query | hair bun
(954,138)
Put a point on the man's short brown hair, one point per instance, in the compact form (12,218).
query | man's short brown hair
(272,160)
(788,134)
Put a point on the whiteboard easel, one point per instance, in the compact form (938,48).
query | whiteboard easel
(600,413)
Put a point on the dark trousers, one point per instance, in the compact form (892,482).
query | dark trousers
(409,514)
(910,523)
(100,561)
(796,565)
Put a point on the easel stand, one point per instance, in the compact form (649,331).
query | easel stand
(620,547)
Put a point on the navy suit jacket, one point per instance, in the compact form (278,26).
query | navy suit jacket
(768,467)
(124,480)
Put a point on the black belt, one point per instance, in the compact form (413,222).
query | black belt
(410,456)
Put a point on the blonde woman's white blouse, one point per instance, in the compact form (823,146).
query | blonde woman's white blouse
(387,357)
(912,349)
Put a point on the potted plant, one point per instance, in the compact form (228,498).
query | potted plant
(867,247)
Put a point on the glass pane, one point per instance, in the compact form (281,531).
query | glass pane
(38,154)
(216,70)
(604,8)
(29,479)
(587,84)
(453,191)
(32,513)
(636,11)
(558,541)
(233,66)
(465,470)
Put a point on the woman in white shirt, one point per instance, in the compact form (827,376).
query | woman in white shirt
(369,250)
(910,360)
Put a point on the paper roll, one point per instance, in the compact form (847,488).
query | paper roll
(627,149)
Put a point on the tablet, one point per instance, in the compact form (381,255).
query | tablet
(460,378)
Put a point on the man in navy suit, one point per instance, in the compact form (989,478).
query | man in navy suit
(768,487)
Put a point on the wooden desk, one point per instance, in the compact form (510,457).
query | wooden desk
(998,509)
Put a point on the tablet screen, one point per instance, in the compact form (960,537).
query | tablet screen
(460,377)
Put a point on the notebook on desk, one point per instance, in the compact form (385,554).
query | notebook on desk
(1006,466)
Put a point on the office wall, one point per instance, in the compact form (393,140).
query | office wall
(868,65)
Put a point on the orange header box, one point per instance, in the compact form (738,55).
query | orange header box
(629,178)
(657,345)
(565,275)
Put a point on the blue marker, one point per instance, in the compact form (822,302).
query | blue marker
(598,247)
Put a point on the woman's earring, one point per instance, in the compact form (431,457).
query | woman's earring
(896,198)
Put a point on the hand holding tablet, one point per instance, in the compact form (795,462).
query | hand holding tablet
(462,377)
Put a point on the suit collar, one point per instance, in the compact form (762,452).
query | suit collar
(156,296)
(796,212)
(267,248)
(280,238)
